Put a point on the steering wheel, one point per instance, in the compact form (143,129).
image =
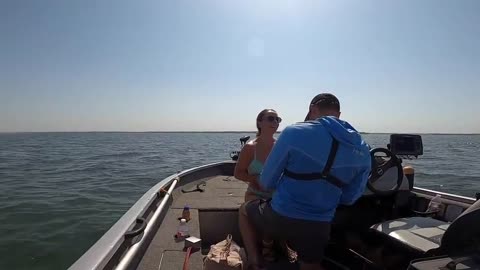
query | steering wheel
(379,168)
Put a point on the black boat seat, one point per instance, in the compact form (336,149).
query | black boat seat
(424,234)
(419,233)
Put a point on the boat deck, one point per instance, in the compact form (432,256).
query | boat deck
(214,215)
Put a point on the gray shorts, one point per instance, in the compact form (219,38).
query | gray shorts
(308,238)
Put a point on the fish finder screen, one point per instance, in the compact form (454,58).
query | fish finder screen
(404,144)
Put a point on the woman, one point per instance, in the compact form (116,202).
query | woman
(250,164)
(255,152)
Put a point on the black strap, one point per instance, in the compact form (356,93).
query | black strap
(325,174)
(331,157)
(198,188)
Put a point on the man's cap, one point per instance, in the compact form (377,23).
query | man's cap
(324,99)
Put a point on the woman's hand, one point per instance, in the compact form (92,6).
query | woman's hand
(255,184)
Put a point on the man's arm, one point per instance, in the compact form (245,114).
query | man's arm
(276,161)
(355,189)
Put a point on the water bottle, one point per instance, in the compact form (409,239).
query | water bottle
(435,204)
(182,231)
(186,213)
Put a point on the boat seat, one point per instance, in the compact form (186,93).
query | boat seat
(419,233)
(424,234)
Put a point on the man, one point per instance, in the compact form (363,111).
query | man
(313,167)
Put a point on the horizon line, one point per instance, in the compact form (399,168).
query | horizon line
(226,131)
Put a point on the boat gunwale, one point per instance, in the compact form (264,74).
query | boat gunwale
(448,196)
(99,254)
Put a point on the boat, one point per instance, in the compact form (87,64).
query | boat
(390,227)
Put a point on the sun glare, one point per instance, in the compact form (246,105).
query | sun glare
(282,9)
(273,9)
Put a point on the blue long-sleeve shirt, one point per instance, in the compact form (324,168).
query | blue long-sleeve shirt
(304,148)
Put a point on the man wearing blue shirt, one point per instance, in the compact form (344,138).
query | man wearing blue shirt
(313,167)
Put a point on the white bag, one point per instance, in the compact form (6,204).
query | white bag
(224,255)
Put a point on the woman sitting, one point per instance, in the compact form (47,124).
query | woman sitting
(250,163)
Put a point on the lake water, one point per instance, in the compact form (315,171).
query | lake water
(60,192)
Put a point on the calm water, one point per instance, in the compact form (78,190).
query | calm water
(59,192)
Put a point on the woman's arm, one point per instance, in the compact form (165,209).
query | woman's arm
(244,159)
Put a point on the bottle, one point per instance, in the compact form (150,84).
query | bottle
(435,204)
(186,213)
(182,231)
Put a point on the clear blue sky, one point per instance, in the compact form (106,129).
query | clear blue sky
(396,66)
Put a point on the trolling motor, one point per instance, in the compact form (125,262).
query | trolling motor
(234,154)
(244,140)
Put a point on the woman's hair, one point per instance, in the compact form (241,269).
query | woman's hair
(260,117)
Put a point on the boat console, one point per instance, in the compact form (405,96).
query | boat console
(387,176)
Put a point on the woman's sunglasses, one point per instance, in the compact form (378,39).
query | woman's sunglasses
(272,118)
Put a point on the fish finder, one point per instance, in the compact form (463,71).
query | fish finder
(406,145)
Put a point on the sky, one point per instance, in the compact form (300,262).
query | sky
(397,66)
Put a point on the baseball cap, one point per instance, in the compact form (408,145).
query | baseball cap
(324,99)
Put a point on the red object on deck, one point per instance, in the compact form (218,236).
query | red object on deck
(187,258)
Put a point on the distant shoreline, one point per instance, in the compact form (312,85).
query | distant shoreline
(365,133)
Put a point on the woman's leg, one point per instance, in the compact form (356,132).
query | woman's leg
(267,251)
(249,237)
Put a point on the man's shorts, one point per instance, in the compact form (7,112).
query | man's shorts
(308,238)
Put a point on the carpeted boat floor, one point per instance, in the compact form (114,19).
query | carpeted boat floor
(214,204)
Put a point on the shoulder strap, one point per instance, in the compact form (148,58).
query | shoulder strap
(325,174)
(331,157)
